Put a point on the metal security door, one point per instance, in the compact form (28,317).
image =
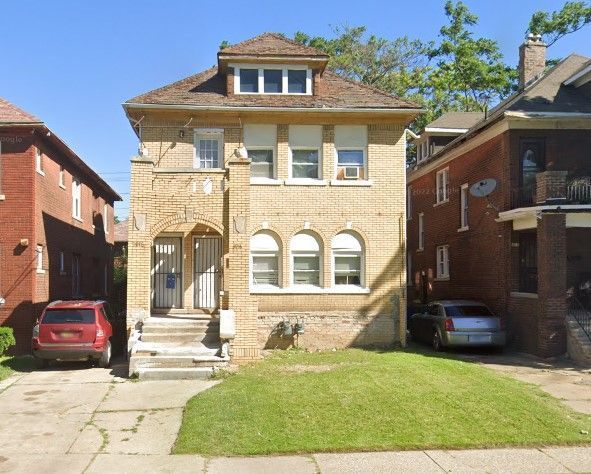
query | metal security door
(208,255)
(167,281)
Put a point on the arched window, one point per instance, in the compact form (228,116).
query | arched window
(306,259)
(265,257)
(348,258)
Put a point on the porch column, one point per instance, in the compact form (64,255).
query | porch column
(245,306)
(552,306)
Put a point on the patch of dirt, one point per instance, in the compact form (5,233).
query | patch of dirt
(303,368)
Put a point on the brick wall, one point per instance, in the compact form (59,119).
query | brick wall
(37,208)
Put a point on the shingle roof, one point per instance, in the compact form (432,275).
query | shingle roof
(208,88)
(120,233)
(10,113)
(459,120)
(271,44)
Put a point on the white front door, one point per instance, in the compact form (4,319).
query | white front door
(167,276)
(207,258)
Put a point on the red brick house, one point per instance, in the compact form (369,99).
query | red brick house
(56,236)
(524,248)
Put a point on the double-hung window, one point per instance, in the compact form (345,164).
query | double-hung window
(443,261)
(62,177)
(265,258)
(421,243)
(347,251)
(305,145)
(351,152)
(39,259)
(260,142)
(76,198)
(306,259)
(208,148)
(442,184)
(464,207)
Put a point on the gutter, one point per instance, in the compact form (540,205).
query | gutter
(523,211)
(218,108)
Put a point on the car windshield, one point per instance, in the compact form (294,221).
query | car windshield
(65,316)
(467,310)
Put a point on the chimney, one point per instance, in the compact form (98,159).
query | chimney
(532,59)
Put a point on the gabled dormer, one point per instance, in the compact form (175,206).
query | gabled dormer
(271,64)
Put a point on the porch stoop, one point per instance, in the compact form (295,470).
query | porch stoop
(177,346)
(577,342)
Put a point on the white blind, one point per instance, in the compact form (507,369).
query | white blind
(260,135)
(305,136)
(354,136)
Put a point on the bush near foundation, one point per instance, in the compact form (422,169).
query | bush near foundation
(6,339)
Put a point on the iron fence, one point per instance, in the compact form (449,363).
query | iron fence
(581,314)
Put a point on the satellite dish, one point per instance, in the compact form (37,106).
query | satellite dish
(483,187)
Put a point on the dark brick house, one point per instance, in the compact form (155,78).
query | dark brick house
(524,248)
(56,237)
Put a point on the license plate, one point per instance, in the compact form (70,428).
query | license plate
(67,335)
(479,339)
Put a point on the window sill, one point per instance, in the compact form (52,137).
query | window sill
(77,219)
(463,229)
(420,249)
(351,182)
(441,203)
(441,279)
(305,182)
(306,290)
(266,181)
(39,271)
(62,186)
(40,172)
(520,294)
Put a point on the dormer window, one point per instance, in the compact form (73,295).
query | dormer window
(272,79)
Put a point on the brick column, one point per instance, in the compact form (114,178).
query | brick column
(552,306)
(236,274)
(551,187)
(139,243)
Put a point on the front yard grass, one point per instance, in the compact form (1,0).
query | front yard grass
(355,400)
(10,365)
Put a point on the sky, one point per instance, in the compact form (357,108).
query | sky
(73,63)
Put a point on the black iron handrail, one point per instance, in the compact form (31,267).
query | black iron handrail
(581,315)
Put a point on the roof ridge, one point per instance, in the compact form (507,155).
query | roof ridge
(172,84)
(371,88)
(275,35)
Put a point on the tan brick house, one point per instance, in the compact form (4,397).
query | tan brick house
(273,188)
(56,215)
(523,249)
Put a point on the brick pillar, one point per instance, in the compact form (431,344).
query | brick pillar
(230,81)
(551,187)
(552,306)
(139,257)
(236,274)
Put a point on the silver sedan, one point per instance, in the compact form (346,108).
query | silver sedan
(447,323)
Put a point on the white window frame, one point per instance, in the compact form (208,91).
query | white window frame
(409,202)
(464,206)
(274,162)
(298,253)
(62,178)
(76,199)
(39,161)
(39,259)
(350,253)
(442,183)
(208,134)
(421,236)
(261,78)
(442,259)
(363,166)
(106,217)
(266,253)
(303,180)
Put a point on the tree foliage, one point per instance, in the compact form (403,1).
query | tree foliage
(552,26)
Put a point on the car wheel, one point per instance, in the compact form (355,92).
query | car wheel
(42,363)
(437,346)
(105,359)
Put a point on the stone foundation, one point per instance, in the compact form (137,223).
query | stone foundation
(327,330)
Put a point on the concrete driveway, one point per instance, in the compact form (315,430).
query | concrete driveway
(91,414)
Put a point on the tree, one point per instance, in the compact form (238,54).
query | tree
(553,26)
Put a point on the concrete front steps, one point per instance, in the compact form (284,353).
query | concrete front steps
(177,347)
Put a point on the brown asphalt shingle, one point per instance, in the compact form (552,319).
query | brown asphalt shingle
(208,88)
(460,120)
(120,234)
(10,113)
(271,44)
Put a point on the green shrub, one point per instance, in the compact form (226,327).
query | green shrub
(6,339)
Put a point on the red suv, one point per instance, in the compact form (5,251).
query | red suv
(70,330)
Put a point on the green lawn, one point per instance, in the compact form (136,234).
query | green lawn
(11,365)
(358,400)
